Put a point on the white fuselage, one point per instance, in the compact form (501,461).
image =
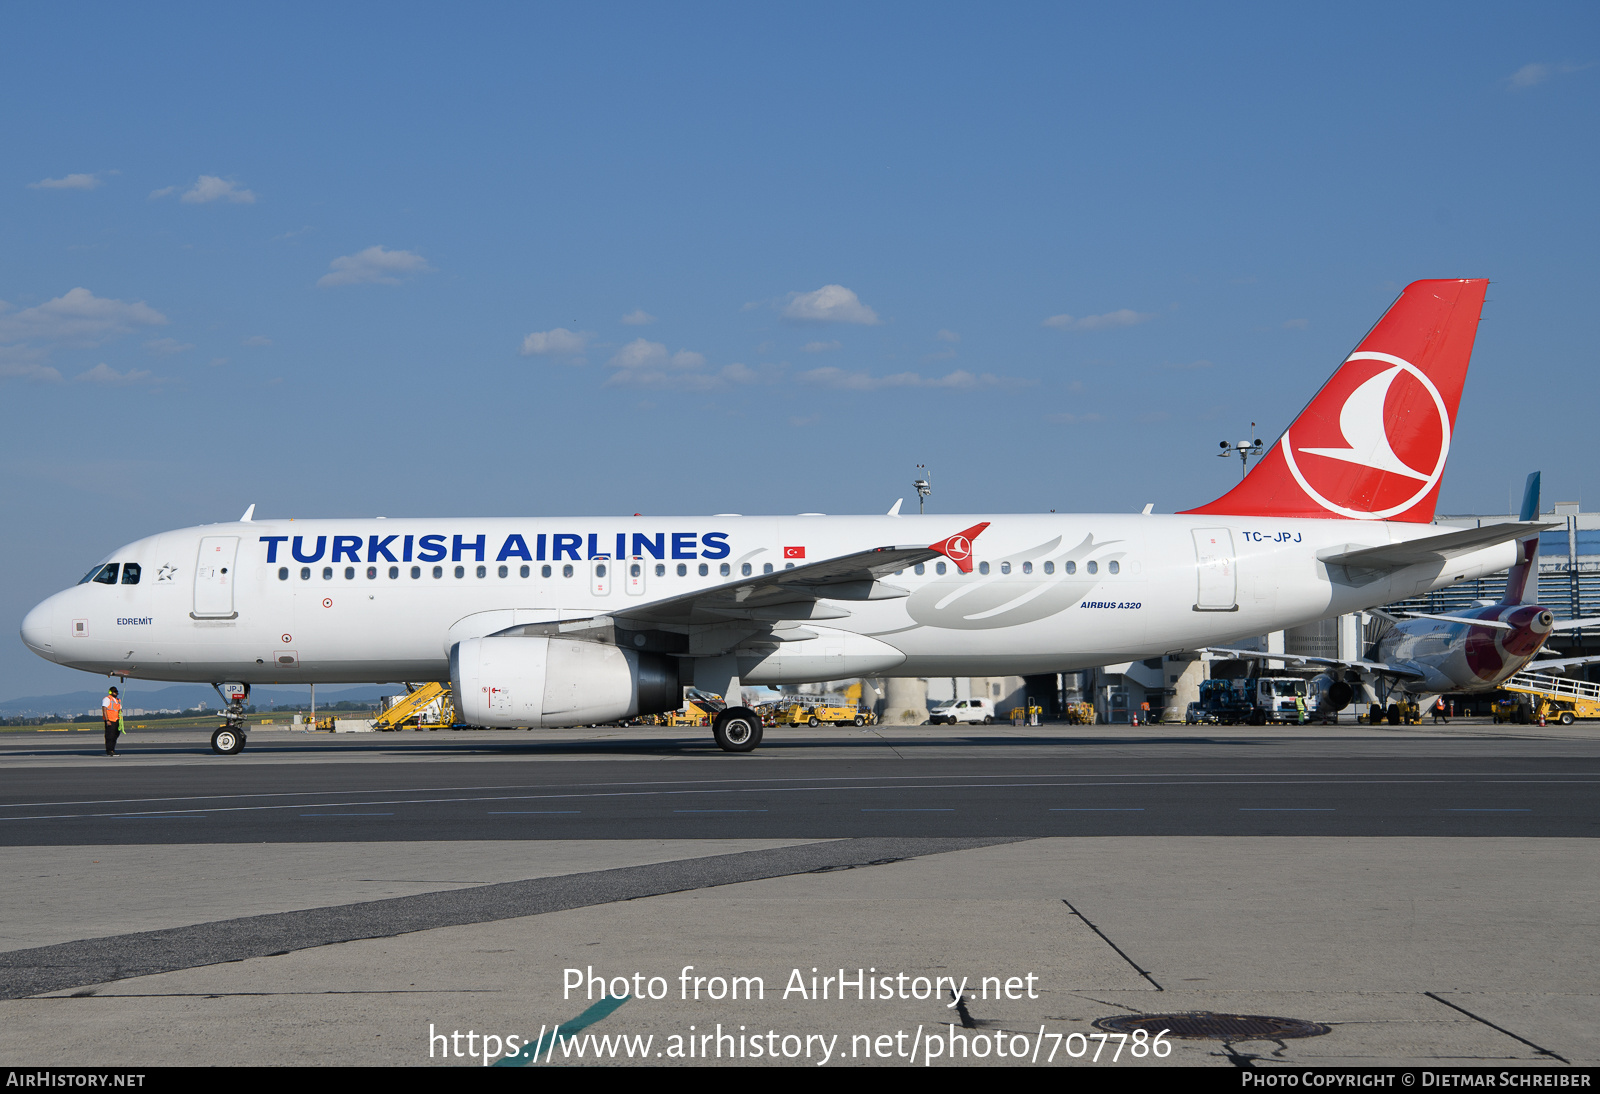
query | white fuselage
(323,601)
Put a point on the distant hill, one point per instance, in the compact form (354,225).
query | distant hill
(183,697)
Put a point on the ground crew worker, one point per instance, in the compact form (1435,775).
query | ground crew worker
(1300,708)
(111,714)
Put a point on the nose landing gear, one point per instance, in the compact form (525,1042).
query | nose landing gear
(229,739)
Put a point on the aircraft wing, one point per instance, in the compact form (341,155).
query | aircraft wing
(1537,665)
(792,594)
(1397,556)
(1381,668)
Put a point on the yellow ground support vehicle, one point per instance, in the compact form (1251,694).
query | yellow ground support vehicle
(800,714)
(1557,698)
(691,714)
(1080,714)
(426,706)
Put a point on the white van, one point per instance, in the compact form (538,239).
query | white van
(971,711)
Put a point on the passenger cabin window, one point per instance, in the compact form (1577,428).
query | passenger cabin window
(394,573)
(416,572)
(1005,568)
(920,568)
(566,571)
(744,571)
(305,573)
(130,573)
(983,567)
(1049,567)
(349,573)
(525,570)
(600,570)
(766,567)
(482,571)
(635,570)
(938,567)
(1027,567)
(327,573)
(544,571)
(1092,567)
(725,570)
(1114,566)
(683,569)
(438,571)
(283,573)
(461,571)
(372,573)
(704,569)
(1070,567)
(504,571)
(107,574)
(661,569)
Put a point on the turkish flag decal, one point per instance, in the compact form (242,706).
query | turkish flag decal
(794,552)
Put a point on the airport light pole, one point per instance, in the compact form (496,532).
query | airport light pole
(1244,450)
(923,487)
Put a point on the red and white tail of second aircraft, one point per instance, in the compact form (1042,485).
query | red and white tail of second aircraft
(551,621)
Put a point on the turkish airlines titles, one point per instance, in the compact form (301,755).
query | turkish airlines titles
(551,547)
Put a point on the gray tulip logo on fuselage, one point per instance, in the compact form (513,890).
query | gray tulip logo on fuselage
(975,602)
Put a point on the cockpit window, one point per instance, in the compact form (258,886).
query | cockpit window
(107,574)
(130,573)
(90,575)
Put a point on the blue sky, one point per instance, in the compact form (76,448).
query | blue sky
(591,259)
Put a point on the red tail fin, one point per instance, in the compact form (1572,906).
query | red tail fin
(1371,445)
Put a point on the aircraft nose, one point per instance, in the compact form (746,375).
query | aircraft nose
(38,629)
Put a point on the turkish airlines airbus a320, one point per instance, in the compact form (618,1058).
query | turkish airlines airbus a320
(572,621)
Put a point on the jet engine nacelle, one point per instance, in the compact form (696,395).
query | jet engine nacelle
(544,681)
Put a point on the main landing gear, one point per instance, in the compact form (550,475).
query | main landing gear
(229,739)
(737,729)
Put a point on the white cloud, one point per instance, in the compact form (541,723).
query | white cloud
(683,379)
(24,363)
(375,265)
(67,182)
(948,336)
(107,376)
(560,342)
(862,381)
(78,317)
(820,347)
(1539,72)
(1123,317)
(640,354)
(165,347)
(257,340)
(829,304)
(638,317)
(647,364)
(208,188)
(163,192)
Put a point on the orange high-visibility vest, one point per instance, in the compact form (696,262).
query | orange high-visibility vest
(111,709)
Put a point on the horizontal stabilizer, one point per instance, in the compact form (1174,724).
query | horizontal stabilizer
(1495,624)
(1397,556)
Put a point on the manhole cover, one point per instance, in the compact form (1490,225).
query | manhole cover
(1203,1025)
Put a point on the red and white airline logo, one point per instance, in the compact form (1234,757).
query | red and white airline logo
(958,548)
(1374,441)
(794,552)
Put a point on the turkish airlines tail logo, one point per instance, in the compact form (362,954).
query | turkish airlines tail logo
(1372,444)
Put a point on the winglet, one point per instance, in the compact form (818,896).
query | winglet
(958,548)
